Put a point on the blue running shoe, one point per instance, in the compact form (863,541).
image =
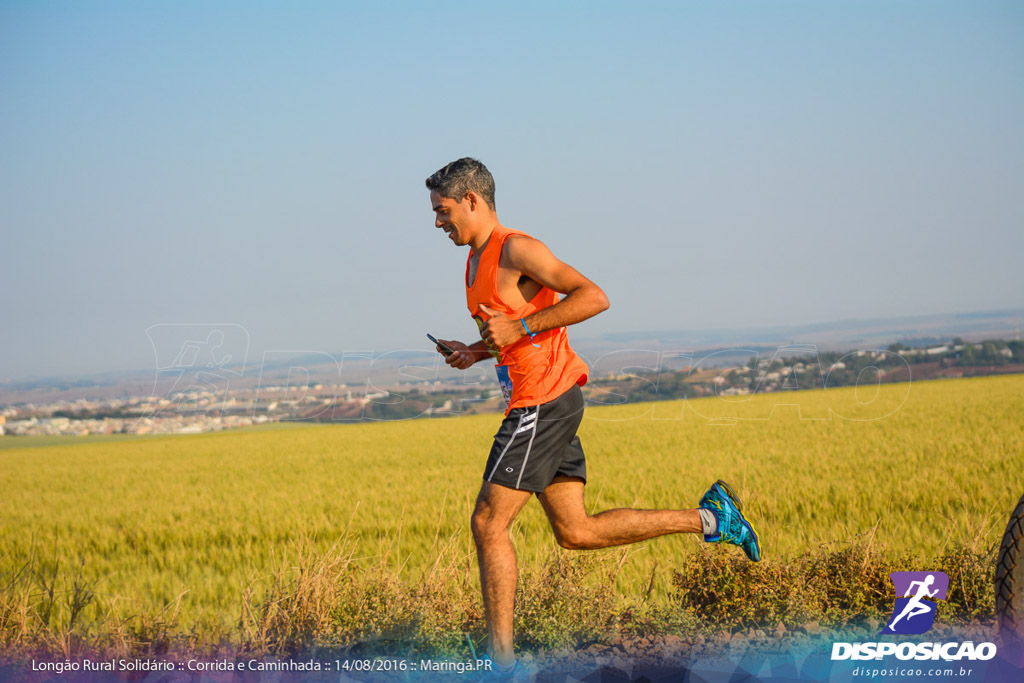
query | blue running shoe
(733,527)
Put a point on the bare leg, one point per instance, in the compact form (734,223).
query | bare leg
(496,508)
(563,503)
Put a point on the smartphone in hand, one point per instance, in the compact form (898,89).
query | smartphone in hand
(447,350)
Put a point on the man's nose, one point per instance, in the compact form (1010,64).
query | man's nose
(438,223)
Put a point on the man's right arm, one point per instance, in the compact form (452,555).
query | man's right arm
(465,356)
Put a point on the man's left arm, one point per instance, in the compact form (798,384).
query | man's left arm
(531,257)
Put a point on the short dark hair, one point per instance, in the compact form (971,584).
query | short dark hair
(462,176)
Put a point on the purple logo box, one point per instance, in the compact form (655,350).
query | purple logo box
(939,582)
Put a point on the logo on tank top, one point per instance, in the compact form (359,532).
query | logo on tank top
(494,350)
(504,380)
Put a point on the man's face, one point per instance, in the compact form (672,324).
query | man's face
(452,217)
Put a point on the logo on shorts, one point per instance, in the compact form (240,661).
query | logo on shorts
(915,612)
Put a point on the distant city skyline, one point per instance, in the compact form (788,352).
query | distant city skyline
(710,166)
(226,350)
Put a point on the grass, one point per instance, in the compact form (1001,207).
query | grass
(199,540)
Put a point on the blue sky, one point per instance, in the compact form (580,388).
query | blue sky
(708,164)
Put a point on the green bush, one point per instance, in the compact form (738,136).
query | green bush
(833,586)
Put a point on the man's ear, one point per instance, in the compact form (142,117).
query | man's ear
(473,200)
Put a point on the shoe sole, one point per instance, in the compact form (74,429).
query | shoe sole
(734,497)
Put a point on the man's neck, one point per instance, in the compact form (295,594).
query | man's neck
(480,240)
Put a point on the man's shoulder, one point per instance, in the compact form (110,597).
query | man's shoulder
(517,251)
(508,234)
(518,244)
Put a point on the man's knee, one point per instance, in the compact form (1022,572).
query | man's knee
(496,507)
(485,525)
(478,524)
(573,538)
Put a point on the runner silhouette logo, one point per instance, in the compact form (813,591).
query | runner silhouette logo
(914,612)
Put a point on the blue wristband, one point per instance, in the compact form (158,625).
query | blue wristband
(531,335)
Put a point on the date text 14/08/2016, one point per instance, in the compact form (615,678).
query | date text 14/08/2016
(435,666)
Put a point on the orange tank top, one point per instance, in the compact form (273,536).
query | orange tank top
(530,372)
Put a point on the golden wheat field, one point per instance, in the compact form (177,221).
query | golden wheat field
(919,468)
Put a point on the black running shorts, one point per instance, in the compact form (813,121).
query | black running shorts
(538,443)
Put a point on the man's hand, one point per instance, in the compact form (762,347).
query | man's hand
(462,356)
(500,330)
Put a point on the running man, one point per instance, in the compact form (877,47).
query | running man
(513,284)
(914,606)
